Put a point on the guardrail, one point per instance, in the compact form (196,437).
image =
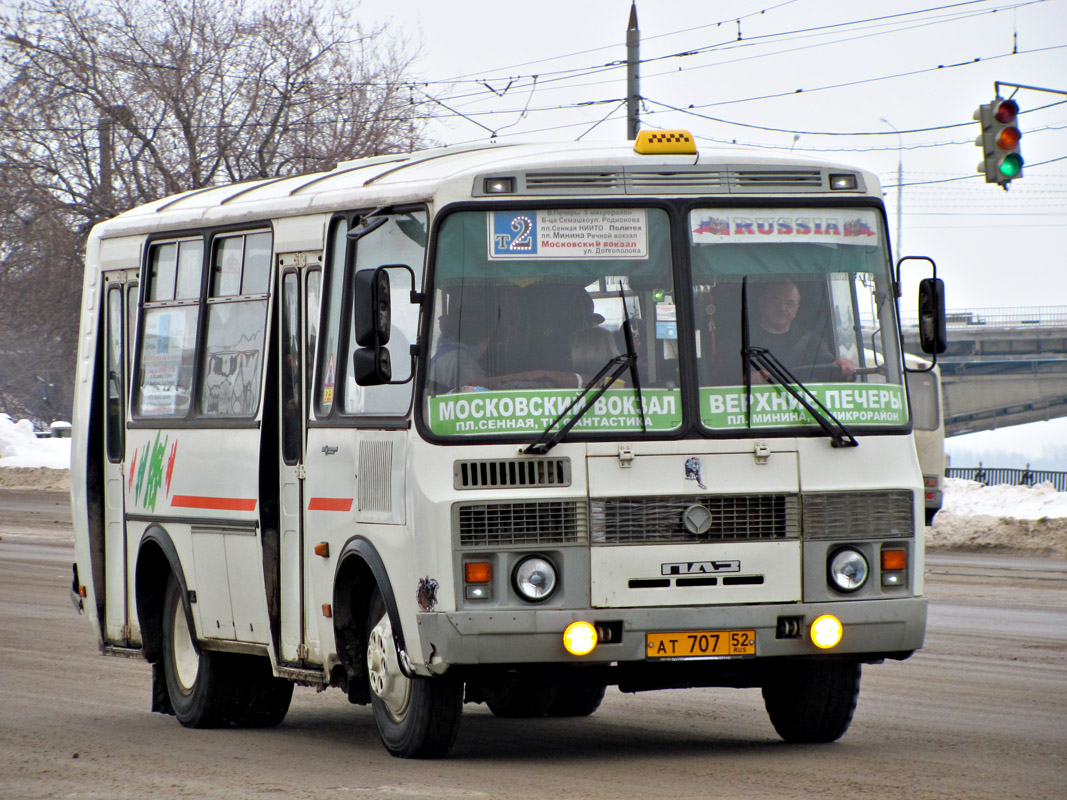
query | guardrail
(999,476)
(1023,316)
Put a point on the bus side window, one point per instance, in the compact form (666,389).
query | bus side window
(171,315)
(236,326)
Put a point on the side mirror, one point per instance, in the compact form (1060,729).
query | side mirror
(933,335)
(373,311)
(371,366)
(372,324)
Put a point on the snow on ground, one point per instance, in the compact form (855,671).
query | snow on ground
(20,447)
(1023,519)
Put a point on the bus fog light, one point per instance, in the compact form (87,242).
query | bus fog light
(826,631)
(848,570)
(534,578)
(579,638)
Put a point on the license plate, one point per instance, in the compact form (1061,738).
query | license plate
(700,644)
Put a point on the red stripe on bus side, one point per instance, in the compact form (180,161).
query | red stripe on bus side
(330,504)
(214,503)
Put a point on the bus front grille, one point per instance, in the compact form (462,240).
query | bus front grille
(521,523)
(505,473)
(663,520)
(859,515)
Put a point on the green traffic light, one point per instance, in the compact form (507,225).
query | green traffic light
(1012,165)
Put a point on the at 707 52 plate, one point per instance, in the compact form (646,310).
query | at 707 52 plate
(700,644)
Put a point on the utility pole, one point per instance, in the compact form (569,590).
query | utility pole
(633,78)
(900,186)
(105,125)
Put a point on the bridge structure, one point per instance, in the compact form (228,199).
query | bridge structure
(1003,366)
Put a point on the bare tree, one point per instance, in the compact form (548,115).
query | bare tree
(108,105)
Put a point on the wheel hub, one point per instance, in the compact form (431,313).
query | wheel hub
(186,657)
(386,680)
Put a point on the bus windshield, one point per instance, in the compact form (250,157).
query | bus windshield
(529,305)
(811,287)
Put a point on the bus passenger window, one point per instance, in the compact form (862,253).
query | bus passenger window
(236,327)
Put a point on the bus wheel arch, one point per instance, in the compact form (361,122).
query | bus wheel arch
(157,560)
(416,717)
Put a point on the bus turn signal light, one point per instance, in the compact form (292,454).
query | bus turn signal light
(477,572)
(323,549)
(894,560)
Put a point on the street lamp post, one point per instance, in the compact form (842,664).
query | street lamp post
(900,185)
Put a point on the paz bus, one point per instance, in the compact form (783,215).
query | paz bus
(502,424)
(928,421)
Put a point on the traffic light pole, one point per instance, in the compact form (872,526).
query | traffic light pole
(998,84)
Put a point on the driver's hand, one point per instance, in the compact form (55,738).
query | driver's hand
(848,369)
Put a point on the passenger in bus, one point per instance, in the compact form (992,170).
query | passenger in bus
(457,364)
(804,352)
(591,349)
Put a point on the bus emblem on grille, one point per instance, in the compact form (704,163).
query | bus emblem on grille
(699,567)
(697,519)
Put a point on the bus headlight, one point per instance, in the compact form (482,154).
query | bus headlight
(848,570)
(534,578)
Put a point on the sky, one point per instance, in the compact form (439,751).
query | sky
(806,69)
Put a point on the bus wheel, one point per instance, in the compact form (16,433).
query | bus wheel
(514,698)
(263,700)
(416,717)
(198,682)
(576,701)
(811,701)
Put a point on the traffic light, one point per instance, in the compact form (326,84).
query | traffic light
(1001,159)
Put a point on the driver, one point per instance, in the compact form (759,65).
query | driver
(804,352)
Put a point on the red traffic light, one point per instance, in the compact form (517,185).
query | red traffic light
(1006,111)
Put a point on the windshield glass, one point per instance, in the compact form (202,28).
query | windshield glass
(529,305)
(819,297)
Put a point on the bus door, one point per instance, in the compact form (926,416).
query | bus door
(300,278)
(120,325)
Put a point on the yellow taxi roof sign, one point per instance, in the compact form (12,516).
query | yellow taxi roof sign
(659,142)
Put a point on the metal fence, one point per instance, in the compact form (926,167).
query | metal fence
(1020,316)
(998,476)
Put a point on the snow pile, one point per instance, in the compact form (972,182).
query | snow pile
(968,498)
(1029,520)
(20,447)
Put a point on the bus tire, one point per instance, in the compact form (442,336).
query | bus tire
(576,701)
(199,683)
(416,717)
(514,698)
(263,700)
(812,701)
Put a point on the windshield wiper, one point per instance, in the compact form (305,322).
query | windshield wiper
(547,440)
(775,370)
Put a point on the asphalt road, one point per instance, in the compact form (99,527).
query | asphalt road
(980,712)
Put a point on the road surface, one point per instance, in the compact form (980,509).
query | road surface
(980,712)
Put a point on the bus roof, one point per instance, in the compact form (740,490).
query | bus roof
(450,174)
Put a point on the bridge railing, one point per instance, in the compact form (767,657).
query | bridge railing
(999,476)
(1025,316)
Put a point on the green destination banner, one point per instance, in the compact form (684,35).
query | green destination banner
(510,412)
(724,407)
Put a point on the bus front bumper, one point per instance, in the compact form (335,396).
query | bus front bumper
(521,636)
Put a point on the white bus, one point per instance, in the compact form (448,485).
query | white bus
(501,424)
(928,420)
